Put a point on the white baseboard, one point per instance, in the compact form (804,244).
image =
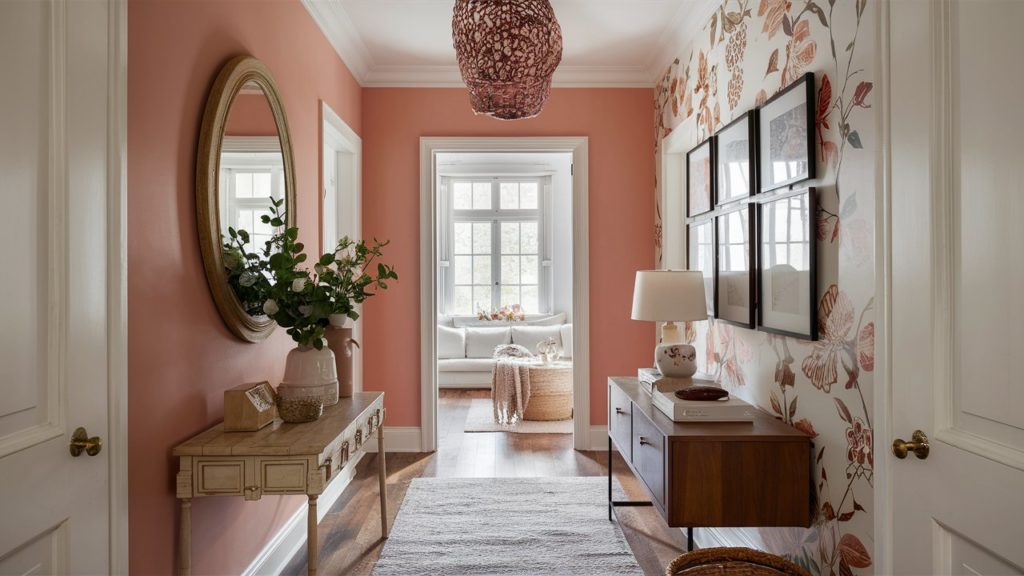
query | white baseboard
(287,542)
(599,438)
(398,439)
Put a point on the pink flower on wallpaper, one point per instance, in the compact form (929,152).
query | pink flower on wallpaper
(800,53)
(774,11)
(859,445)
(866,347)
(835,320)
(805,426)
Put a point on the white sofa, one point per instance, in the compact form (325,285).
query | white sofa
(464,352)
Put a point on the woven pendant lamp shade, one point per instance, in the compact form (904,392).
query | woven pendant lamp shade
(507,50)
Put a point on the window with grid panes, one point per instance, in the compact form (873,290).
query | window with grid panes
(496,245)
(248,181)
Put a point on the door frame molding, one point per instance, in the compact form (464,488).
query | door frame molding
(336,133)
(429,148)
(117,281)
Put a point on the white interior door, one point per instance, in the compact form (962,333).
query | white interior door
(342,214)
(53,346)
(957,324)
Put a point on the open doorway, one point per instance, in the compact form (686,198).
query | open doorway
(504,291)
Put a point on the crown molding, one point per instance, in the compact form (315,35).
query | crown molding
(336,25)
(343,35)
(687,22)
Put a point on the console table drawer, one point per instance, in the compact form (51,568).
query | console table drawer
(222,476)
(282,476)
(649,455)
(620,420)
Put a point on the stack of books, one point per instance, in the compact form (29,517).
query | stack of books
(651,377)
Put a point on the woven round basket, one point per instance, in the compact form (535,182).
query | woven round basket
(550,393)
(732,562)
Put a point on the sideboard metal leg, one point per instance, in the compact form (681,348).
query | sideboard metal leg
(689,539)
(611,506)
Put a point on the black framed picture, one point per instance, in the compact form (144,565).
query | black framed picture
(700,179)
(786,136)
(734,158)
(700,255)
(787,270)
(735,266)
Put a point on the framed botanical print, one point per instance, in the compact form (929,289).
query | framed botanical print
(734,158)
(787,271)
(700,255)
(786,136)
(700,179)
(735,267)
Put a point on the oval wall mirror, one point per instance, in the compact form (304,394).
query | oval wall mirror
(244,165)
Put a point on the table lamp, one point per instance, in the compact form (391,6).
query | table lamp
(671,296)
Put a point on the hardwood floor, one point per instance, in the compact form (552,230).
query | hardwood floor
(350,532)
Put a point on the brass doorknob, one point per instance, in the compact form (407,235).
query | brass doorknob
(80,441)
(918,445)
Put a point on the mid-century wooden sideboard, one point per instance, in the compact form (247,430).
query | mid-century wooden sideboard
(279,459)
(710,474)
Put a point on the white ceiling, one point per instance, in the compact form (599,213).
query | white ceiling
(606,42)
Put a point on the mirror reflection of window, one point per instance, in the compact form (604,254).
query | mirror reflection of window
(787,256)
(248,180)
(734,257)
(702,254)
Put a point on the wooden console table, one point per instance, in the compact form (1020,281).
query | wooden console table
(710,474)
(279,459)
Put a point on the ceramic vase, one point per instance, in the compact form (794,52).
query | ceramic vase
(310,372)
(339,340)
(676,360)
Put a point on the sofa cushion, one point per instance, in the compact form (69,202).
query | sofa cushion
(480,342)
(451,342)
(530,336)
(566,330)
(465,365)
(553,320)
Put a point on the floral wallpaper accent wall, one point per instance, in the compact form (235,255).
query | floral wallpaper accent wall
(746,52)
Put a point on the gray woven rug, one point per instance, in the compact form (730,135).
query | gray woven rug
(506,526)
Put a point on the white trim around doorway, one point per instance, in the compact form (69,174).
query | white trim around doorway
(429,148)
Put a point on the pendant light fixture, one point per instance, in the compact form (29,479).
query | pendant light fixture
(508,51)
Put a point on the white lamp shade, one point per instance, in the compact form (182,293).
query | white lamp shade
(669,296)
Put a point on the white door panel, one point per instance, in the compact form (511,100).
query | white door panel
(53,348)
(957,327)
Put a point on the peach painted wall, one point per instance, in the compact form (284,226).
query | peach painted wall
(180,355)
(619,123)
(250,116)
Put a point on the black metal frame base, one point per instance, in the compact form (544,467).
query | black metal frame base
(612,503)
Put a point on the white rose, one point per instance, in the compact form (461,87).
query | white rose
(270,308)
(298,284)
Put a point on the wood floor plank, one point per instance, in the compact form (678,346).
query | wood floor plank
(350,540)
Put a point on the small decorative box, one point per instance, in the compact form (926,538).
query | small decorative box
(249,407)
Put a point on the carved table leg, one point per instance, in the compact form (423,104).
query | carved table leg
(383,474)
(311,536)
(185,538)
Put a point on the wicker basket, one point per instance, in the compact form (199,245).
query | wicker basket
(732,562)
(550,393)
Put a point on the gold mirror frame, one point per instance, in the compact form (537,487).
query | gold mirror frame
(235,74)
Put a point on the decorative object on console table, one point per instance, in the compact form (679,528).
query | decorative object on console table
(670,296)
(786,132)
(279,459)
(249,407)
(734,267)
(698,474)
(787,270)
(302,301)
(700,178)
(340,341)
